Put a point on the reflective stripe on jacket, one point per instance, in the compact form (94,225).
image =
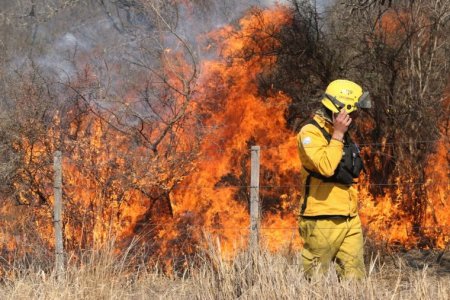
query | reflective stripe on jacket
(325,198)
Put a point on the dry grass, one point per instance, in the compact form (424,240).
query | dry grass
(103,275)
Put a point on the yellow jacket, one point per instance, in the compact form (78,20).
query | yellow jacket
(325,198)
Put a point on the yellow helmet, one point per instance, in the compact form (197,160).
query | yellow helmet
(345,94)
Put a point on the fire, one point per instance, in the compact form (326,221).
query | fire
(392,25)
(239,117)
(387,222)
(115,187)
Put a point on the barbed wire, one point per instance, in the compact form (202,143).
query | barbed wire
(409,230)
(222,148)
(411,227)
(210,157)
(223,185)
(87,164)
(361,144)
(300,185)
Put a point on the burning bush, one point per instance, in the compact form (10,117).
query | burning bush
(164,155)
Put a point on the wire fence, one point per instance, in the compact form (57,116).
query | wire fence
(95,165)
(225,186)
(381,228)
(219,147)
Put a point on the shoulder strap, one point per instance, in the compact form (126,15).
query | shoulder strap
(305,199)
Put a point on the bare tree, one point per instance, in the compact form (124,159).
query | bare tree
(126,146)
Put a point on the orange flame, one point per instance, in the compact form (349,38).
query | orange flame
(102,188)
(239,117)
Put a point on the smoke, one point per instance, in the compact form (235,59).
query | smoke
(109,35)
(200,19)
(116,29)
(57,61)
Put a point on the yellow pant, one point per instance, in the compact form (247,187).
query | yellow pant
(338,240)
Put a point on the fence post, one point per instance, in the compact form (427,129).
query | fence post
(57,215)
(254,198)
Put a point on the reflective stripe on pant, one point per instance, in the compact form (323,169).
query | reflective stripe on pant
(328,240)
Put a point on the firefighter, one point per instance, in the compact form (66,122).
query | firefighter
(329,223)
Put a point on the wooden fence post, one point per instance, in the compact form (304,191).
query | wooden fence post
(57,215)
(254,198)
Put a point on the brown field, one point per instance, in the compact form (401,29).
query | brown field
(103,275)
